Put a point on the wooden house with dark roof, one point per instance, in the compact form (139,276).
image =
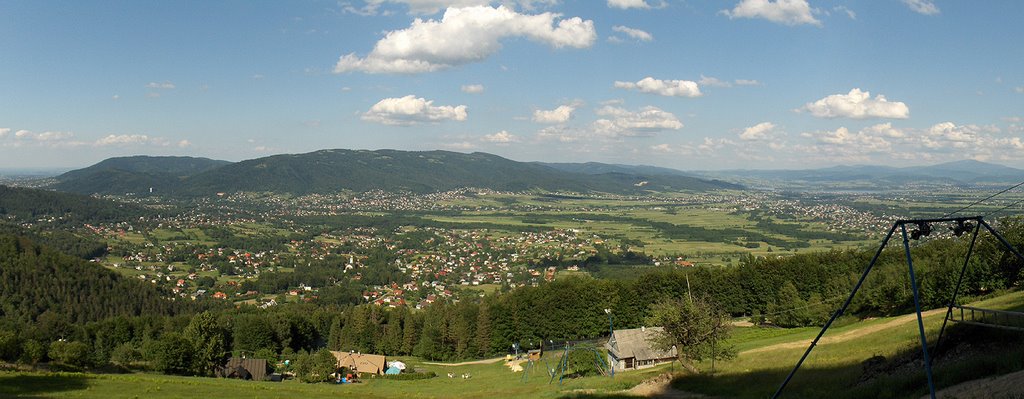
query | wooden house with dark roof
(245,369)
(633,348)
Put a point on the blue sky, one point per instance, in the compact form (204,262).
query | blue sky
(683,84)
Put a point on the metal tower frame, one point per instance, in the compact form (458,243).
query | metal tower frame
(923,229)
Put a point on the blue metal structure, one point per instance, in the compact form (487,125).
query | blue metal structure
(962,224)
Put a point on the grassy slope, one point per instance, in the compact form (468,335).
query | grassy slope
(765,357)
(835,366)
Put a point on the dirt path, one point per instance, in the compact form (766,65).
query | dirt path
(660,387)
(846,336)
(1004,386)
(482,361)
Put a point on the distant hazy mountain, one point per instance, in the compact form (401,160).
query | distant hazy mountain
(135,174)
(957,172)
(362,170)
(596,168)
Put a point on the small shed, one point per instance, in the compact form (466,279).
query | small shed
(534,354)
(245,369)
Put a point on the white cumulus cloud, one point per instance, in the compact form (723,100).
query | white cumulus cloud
(126,139)
(857,104)
(160,85)
(561,114)
(462,36)
(672,88)
(502,137)
(412,110)
(627,4)
(786,12)
(925,7)
(760,131)
(949,134)
(849,143)
(4,131)
(430,7)
(886,130)
(712,81)
(617,121)
(633,33)
(50,136)
(473,89)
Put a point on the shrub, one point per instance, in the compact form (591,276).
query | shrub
(317,367)
(125,354)
(32,351)
(72,353)
(10,348)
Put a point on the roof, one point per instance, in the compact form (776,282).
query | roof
(637,343)
(257,368)
(362,363)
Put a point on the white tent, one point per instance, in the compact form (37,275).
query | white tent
(397,364)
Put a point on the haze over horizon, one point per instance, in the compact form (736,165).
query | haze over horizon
(743,84)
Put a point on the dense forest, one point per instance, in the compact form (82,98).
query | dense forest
(56,210)
(48,296)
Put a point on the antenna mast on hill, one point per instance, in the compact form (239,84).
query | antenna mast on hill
(922,227)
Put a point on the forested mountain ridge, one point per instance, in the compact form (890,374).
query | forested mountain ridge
(136,174)
(595,168)
(336,170)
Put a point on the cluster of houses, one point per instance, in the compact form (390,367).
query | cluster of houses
(628,349)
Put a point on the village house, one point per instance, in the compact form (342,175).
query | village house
(632,349)
(361,363)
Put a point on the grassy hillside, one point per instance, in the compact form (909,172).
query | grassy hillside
(837,368)
(875,358)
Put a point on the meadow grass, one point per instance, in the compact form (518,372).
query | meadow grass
(487,381)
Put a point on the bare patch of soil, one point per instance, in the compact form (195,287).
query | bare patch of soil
(1001,387)
(660,387)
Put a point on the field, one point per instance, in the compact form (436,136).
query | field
(837,368)
(723,228)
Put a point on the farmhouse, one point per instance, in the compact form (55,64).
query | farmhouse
(632,349)
(361,363)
